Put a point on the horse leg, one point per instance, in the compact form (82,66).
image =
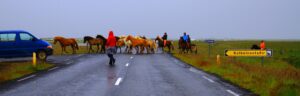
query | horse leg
(73,48)
(62,50)
(169,47)
(126,48)
(65,49)
(98,47)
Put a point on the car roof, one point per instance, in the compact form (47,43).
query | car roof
(14,31)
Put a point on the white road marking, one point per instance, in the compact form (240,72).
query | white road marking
(67,60)
(127,64)
(231,92)
(194,70)
(79,55)
(212,81)
(70,62)
(118,81)
(31,76)
(53,68)
(131,57)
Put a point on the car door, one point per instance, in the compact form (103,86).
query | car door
(27,44)
(8,45)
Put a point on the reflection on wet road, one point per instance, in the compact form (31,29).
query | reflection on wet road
(133,75)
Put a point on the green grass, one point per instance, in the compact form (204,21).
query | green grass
(278,76)
(14,70)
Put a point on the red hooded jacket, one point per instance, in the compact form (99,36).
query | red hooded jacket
(111,40)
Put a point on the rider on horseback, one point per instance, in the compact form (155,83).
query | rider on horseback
(165,37)
(185,37)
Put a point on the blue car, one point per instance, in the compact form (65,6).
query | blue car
(22,44)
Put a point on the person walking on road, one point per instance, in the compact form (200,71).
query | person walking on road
(262,45)
(111,48)
(165,37)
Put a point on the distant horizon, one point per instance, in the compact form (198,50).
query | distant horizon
(202,19)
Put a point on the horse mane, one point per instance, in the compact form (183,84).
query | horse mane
(87,38)
(181,38)
(101,37)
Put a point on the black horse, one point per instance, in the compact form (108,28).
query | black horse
(254,46)
(103,44)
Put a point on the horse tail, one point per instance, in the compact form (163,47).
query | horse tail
(84,39)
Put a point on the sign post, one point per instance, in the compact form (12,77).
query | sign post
(34,59)
(250,53)
(210,42)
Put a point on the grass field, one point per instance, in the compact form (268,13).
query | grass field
(278,76)
(14,70)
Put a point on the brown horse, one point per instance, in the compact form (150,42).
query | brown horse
(169,43)
(185,47)
(64,42)
(92,41)
(136,43)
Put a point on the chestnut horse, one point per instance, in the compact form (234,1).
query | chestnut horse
(136,43)
(169,43)
(151,46)
(123,43)
(64,42)
(92,41)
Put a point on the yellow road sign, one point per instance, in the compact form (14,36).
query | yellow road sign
(249,53)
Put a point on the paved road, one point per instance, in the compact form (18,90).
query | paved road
(133,75)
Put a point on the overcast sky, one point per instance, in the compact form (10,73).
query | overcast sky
(202,19)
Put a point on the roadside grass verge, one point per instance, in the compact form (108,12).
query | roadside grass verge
(279,75)
(14,70)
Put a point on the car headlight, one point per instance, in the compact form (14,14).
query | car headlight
(49,46)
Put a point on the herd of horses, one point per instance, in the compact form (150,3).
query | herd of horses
(137,43)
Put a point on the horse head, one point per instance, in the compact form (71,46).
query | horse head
(57,38)
(129,37)
(158,39)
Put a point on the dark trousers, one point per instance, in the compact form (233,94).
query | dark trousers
(112,60)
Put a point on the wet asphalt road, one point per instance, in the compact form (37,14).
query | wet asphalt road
(133,75)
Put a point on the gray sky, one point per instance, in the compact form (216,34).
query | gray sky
(202,19)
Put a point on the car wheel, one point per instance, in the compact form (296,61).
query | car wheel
(41,55)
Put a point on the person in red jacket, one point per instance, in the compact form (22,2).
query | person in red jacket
(111,48)
(262,45)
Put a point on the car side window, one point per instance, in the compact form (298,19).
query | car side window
(25,36)
(7,37)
